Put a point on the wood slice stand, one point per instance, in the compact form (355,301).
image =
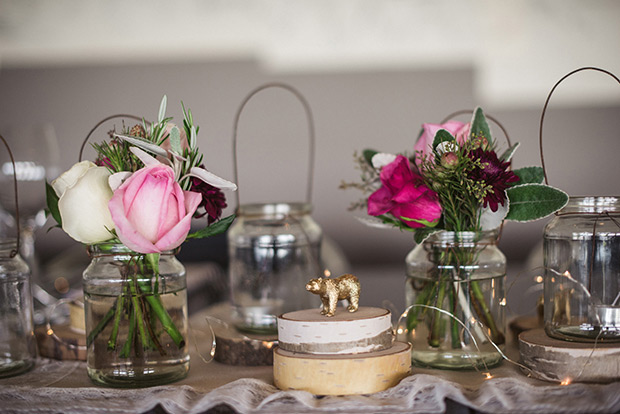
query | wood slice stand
(342,374)
(556,360)
(349,353)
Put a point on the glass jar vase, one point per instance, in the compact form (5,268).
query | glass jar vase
(136,317)
(274,250)
(582,271)
(17,340)
(455,287)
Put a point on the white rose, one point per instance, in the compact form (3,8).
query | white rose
(84,193)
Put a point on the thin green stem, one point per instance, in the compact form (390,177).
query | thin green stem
(120,301)
(101,325)
(135,301)
(158,308)
(126,350)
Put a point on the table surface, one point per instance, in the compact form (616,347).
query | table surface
(54,386)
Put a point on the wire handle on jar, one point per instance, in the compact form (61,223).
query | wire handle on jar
(469,111)
(311,133)
(15,251)
(542,115)
(137,118)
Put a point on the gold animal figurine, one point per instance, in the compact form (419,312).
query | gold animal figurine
(332,290)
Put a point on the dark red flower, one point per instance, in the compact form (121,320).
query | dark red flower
(494,173)
(213,200)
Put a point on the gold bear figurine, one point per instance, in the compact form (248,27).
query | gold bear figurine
(332,290)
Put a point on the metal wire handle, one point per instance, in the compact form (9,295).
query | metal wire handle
(311,137)
(469,111)
(101,123)
(15,251)
(542,115)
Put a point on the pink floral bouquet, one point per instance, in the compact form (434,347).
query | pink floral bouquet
(454,180)
(142,191)
(458,182)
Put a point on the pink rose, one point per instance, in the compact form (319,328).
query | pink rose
(404,196)
(424,145)
(151,212)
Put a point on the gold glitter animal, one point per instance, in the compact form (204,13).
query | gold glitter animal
(332,290)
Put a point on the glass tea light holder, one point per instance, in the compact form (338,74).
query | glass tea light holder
(274,248)
(17,340)
(582,264)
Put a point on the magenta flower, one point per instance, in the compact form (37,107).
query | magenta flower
(151,212)
(404,196)
(424,144)
(493,173)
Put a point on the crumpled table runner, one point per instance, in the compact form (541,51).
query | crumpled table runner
(55,386)
(63,386)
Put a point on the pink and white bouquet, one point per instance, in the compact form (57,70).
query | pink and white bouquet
(143,189)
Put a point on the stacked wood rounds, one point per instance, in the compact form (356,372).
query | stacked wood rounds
(349,353)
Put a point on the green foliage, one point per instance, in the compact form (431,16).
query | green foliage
(480,126)
(529,175)
(530,202)
(52,203)
(214,229)
(368,154)
(442,136)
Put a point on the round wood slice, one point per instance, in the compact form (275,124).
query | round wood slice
(236,348)
(342,374)
(556,360)
(63,342)
(366,330)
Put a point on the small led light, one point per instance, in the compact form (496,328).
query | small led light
(566,381)
(327,273)
(538,279)
(488,375)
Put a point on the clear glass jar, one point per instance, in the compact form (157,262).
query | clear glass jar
(18,347)
(274,250)
(455,282)
(582,271)
(136,317)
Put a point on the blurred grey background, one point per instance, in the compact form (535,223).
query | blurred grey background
(372,71)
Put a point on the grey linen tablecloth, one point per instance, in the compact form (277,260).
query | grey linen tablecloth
(63,386)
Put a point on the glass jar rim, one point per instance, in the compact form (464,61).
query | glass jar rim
(279,209)
(591,205)
(7,247)
(446,237)
(110,248)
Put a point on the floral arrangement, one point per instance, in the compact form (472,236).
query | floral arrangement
(454,180)
(142,191)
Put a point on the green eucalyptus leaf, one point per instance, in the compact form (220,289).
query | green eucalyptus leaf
(368,154)
(52,203)
(175,140)
(480,126)
(394,222)
(162,109)
(529,202)
(425,223)
(507,155)
(214,229)
(442,136)
(529,175)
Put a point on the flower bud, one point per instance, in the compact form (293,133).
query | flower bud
(449,160)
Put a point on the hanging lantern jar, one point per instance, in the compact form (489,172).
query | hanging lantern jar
(18,348)
(274,248)
(582,263)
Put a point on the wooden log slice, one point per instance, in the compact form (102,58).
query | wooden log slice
(556,360)
(342,374)
(307,331)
